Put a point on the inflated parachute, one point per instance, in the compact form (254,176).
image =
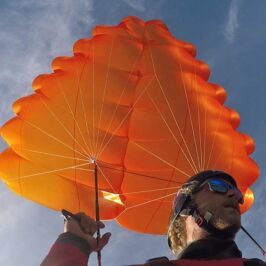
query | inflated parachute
(134,106)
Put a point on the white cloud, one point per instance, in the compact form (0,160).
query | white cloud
(138,5)
(32,34)
(232,25)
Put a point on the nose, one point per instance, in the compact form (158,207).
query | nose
(232,194)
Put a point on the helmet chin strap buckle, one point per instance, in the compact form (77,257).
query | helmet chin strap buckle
(204,222)
(201,221)
(207,216)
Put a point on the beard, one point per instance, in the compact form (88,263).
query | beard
(227,227)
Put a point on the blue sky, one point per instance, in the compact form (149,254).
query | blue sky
(229,36)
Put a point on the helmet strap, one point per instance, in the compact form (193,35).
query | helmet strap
(203,221)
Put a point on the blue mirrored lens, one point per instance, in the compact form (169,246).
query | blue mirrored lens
(220,186)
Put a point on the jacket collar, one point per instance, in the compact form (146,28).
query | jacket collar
(209,249)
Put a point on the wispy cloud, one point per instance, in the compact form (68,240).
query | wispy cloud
(138,5)
(232,25)
(32,33)
(29,41)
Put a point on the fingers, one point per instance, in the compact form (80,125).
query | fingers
(85,227)
(88,225)
(103,241)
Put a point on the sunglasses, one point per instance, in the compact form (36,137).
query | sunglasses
(221,186)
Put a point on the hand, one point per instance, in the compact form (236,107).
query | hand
(86,228)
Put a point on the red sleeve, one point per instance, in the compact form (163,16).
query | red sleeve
(68,250)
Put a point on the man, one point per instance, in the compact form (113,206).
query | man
(203,225)
(205,220)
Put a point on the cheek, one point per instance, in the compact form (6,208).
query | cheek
(209,201)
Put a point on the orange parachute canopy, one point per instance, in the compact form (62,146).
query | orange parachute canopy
(134,103)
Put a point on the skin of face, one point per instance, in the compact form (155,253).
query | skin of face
(224,209)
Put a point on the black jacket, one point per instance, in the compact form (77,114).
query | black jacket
(208,250)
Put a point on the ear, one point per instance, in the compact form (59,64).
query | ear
(190,220)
